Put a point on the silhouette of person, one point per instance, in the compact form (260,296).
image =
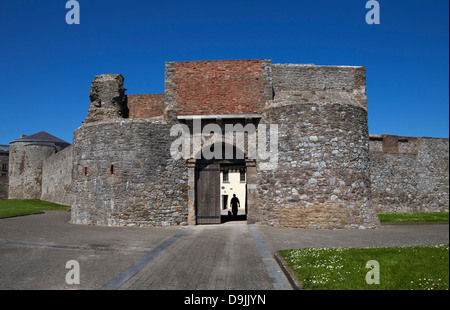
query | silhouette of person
(235,204)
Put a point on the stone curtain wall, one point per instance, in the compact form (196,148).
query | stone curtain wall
(393,183)
(409,174)
(145,187)
(57,178)
(322,180)
(4,160)
(3,187)
(218,87)
(433,174)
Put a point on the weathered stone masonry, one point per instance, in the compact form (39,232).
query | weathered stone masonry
(124,174)
(4,167)
(323,176)
(409,174)
(27,156)
(57,178)
(329,174)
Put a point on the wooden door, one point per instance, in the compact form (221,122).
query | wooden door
(208,194)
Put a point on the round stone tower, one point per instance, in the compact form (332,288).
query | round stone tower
(26,157)
(123,173)
(322,179)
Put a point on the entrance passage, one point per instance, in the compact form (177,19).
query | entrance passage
(208,193)
(233,190)
(218,185)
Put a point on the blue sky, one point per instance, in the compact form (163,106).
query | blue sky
(47,65)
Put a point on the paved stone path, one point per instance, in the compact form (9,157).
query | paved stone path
(213,257)
(34,251)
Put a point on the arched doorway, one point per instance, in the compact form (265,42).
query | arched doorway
(205,205)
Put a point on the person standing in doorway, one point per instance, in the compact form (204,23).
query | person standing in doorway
(235,204)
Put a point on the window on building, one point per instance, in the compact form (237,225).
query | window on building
(226,177)
(3,174)
(242,175)
(4,167)
(85,171)
(112,169)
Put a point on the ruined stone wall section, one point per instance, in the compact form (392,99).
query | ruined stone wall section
(409,174)
(108,100)
(25,169)
(57,178)
(124,175)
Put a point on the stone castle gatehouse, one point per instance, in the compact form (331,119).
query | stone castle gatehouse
(125,172)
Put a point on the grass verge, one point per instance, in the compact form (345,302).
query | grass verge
(16,207)
(413,217)
(400,268)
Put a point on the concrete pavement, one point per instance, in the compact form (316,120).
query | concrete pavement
(34,250)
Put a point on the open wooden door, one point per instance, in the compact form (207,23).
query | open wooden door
(208,193)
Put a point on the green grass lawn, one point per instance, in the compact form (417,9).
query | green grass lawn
(400,268)
(16,207)
(413,217)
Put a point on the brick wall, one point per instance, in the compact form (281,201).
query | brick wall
(218,87)
(145,106)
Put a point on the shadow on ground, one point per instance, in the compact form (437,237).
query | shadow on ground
(229,218)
